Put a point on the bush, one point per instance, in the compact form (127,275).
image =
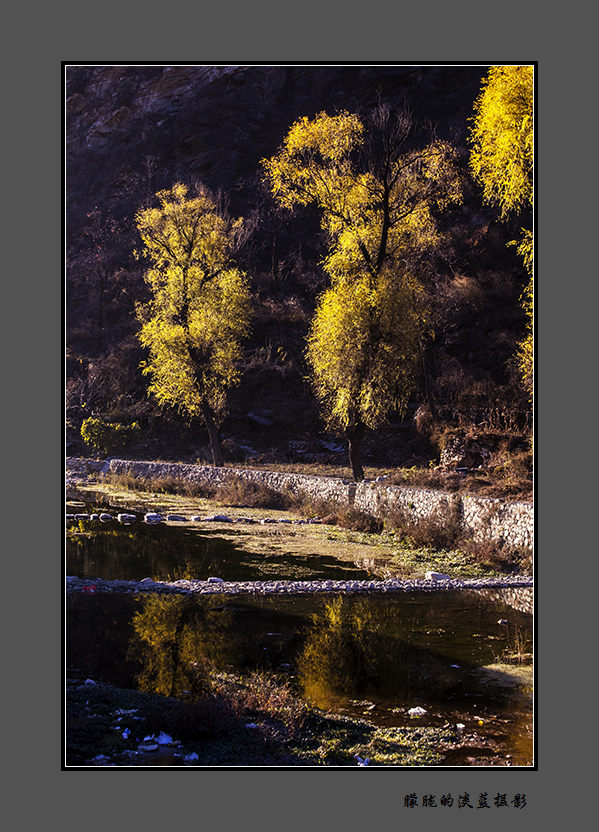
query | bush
(441,529)
(105,438)
(237,491)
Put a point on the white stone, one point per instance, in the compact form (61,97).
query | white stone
(126,518)
(436,576)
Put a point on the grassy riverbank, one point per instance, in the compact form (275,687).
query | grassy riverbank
(346,535)
(248,721)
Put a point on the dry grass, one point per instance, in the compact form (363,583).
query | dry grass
(268,699)
(157,485)
(236,491)
(441,529)
(508,478)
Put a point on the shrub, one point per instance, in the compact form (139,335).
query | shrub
(237,491)
(105,438)
(441,529)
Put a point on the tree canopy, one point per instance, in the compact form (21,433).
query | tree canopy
(502,138)
(363,346)
(378,198)
(502,161)
(199,309)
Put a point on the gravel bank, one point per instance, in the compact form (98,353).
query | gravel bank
(219,587)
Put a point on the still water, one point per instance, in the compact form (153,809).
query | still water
(369,655)
(163,552)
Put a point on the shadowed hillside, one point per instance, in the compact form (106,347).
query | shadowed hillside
(131,131)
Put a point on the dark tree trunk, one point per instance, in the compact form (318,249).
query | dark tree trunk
(217,455)
(355,435)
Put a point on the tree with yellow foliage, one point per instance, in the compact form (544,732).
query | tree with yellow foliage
(199,309)
(377,199)
(363,348)
(502,160)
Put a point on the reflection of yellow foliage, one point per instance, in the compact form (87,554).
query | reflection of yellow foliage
(178,640)
(350,648)
(355,647)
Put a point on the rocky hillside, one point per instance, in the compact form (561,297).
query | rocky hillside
(132,130)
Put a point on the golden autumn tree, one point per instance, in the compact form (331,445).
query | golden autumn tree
(502,160)
(199,309)
(377,199)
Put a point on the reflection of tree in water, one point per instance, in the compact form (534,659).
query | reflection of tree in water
(178,641)
(354,647)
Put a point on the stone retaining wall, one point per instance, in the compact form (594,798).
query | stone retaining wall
(483,518)
(520,598)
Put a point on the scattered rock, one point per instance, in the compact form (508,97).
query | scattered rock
(100,758)
(126,518)
(152,517)
(333,447)
(417,711)
(462,452)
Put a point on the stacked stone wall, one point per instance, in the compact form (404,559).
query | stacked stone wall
(483,518)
